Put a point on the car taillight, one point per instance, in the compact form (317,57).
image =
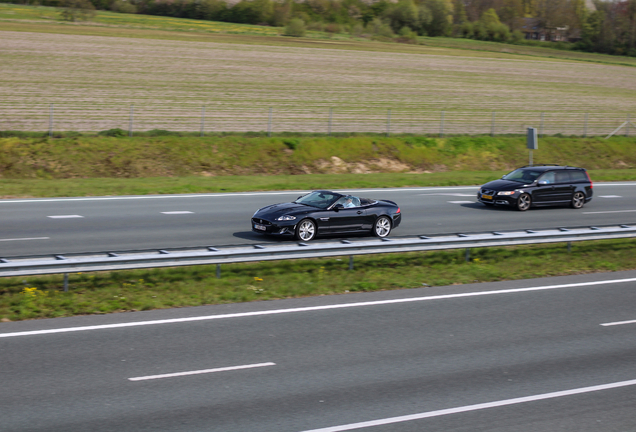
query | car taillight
(398,211)
(590,180)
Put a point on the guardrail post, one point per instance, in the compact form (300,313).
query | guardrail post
(65,282)
(492,123)
(585,126)
(388,122)
(350,262)
(467,254)
(441,126)
(269,123)
(569,247)
(218,271)
(330,120)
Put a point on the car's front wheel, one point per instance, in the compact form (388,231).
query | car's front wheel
(524,202)
(382,227)
(306,230)
(578,199)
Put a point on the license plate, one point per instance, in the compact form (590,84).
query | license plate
(486,196)
(259,227)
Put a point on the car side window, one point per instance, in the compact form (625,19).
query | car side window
(547,178)
(562,177)
(578,176)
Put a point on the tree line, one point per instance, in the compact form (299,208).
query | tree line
(605,26)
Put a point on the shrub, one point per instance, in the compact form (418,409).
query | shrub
(77,10)
(113,133)
(295,28)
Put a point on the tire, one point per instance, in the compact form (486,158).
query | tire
(578,200)
(306,230)
(524,202)
(382,227)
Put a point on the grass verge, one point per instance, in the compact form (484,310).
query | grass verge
(98,293)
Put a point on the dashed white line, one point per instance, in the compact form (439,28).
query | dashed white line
(65,216)
(204,371)
(619,323)
(610,196)
(461,202)
(475,407)
(26,238)
(177,212)
(315,308)
(611,211)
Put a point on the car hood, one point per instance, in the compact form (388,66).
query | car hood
(504,185)
(276,210)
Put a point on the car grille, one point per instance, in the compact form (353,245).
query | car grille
(487,192)
(261,221)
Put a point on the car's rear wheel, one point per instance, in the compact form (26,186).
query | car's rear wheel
(578,199)
(524,202)
(306,230)
(382,227)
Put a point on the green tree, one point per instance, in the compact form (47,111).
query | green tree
(441,23)
(296,28)
(77,10)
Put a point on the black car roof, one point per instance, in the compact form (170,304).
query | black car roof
(549,167)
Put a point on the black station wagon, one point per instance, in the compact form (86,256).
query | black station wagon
(539,185)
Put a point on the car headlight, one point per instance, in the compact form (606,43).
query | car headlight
(506,193)
(285,218)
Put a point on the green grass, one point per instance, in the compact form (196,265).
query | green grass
(89,165)
(97,293)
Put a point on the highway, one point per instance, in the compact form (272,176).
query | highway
(94,224)
(555,354)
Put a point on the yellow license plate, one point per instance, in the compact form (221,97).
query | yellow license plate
(486,196)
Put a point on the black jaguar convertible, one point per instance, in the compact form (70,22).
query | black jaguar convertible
(326,212)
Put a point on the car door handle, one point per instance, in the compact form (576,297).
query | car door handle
(324,219)
(359,211)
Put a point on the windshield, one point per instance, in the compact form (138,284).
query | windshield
(522,175)
(319,199)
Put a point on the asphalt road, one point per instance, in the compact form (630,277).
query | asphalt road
(67,225)
(522,356)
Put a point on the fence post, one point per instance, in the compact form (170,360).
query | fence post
(269,123)
(130,122)
(330,118)
(541,127)
(388,122)
(50,120)
(441,126)
(202,119)
(585,126)
(492,124)
(627,125)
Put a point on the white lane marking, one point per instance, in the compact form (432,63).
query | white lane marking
(315,308)
(205,371)
(233,194)
(221,195)
(177,212)
(610,196)
(65,216)
(612,211)
(619,323)
(461,202)
(26,238)
(475,407)
(449,194)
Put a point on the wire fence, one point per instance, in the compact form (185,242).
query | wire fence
(212,119)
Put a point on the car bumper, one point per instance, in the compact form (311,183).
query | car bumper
(397,218)
(281,228)
(505,200)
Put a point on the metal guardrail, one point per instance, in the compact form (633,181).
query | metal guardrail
(57,264)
